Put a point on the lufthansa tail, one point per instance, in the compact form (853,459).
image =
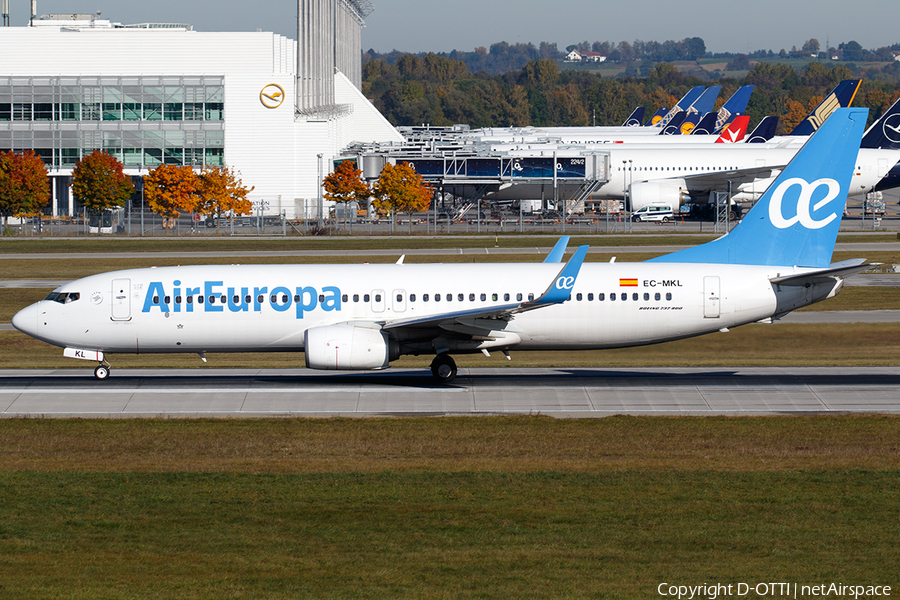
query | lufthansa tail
(636,119)
(885,132)
(796,222)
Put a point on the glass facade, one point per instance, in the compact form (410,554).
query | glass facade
(142,121)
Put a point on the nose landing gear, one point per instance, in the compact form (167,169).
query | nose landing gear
(101,372)
(443,367)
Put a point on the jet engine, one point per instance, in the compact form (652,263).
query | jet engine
(346,346)
(673,192)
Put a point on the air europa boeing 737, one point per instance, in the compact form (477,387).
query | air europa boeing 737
(365,316)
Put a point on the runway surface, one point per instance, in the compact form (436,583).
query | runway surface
(560,392)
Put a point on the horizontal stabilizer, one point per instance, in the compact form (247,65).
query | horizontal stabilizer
(844,268)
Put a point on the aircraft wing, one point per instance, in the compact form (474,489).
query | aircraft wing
(486,319)
(720,179)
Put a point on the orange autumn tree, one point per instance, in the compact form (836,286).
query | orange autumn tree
(24,184)
(171,190)
(346,184)
(400,188)
(220,191)
(99,182)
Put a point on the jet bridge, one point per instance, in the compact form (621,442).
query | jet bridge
(564,177)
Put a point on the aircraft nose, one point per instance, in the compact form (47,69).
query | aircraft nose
(26,320)
(891,180)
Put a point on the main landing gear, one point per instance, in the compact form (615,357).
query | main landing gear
(443,367)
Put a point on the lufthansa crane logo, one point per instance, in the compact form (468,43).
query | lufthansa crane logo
(804,198)
(272,95)
(891,128)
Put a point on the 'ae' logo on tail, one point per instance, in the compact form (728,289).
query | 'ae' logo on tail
(804,214)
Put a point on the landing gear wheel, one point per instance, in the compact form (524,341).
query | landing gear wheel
(443,367)
(101,372)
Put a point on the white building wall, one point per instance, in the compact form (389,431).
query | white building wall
(273,149)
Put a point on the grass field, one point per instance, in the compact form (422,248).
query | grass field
(523,507)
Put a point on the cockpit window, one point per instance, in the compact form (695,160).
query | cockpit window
(63,297)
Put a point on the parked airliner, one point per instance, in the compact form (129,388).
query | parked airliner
(364,316)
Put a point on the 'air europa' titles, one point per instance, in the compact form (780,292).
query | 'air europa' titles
(215,296)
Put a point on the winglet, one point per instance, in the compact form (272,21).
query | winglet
(556,255)
(561,287)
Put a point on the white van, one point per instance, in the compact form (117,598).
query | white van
(654,212)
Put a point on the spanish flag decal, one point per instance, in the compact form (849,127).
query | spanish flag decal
(628,283)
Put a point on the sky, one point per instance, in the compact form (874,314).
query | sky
(442,26)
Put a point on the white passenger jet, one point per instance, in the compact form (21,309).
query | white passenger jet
(364,316)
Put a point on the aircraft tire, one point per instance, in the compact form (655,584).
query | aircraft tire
(101,372)
(443,367)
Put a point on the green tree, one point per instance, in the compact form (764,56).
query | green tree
(400,189)
(99,183)
(24,185)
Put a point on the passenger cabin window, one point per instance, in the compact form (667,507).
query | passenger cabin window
(365,297)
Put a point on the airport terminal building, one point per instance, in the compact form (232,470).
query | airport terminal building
(151,94)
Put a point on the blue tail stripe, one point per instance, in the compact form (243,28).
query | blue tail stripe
(737,104)
(796,221)
(707,100)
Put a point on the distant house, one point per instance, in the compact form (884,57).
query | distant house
(576,56)
(592,57)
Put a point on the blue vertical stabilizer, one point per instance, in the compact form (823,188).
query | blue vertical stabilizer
(796,221)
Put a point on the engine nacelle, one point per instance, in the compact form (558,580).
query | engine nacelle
(673,192)
(348,347)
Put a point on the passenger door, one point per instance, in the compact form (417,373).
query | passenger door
(121,300)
